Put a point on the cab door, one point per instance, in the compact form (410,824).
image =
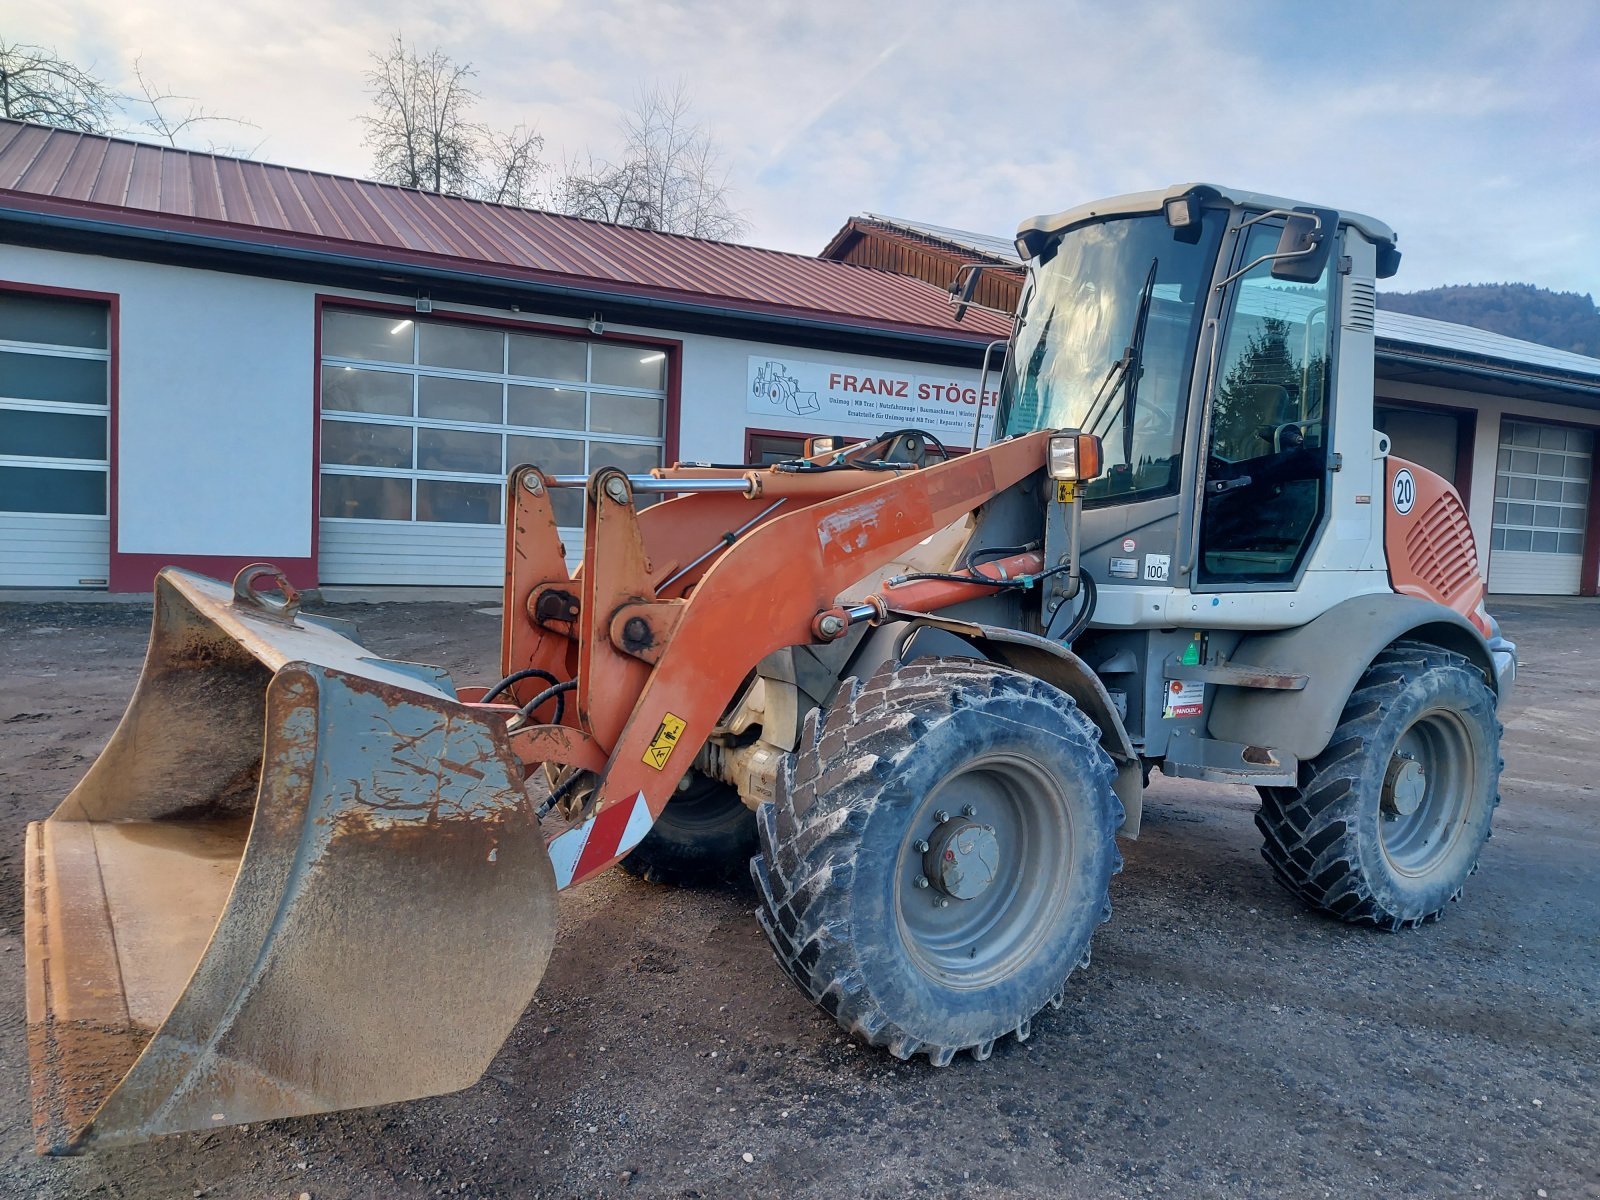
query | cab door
(1264,477)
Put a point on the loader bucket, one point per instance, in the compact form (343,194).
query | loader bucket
(299,878)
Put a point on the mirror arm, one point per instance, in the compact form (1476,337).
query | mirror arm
(1276,212)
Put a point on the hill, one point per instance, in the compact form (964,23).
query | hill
(1564,320)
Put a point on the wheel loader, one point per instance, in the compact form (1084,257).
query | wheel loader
(918,693)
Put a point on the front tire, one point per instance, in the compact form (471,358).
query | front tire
(991,789)
(1389,820)
(705,835)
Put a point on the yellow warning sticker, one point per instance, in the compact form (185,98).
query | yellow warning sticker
(665,741)
(1066,490)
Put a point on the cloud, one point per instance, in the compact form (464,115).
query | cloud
(1466,125)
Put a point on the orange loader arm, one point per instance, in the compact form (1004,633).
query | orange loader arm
(660,644)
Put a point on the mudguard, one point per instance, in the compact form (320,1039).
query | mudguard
(1333,649)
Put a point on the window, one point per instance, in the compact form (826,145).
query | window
(55,391)
(1267,457)
(1102,288)
(423,420)
(764,449)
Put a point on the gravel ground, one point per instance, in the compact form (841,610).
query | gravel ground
(1225,1042)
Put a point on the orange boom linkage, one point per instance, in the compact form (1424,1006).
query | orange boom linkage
(677,603)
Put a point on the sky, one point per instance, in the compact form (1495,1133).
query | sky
(1471,127)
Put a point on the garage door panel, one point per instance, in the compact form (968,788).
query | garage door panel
(1541,509)
(422,420)
(1517,574)
(355,552)
(53,551)
(55,371)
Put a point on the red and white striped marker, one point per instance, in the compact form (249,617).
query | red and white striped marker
(607,835)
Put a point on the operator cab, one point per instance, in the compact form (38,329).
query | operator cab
(1168,321)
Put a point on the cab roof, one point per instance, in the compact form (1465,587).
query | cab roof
(1143,202)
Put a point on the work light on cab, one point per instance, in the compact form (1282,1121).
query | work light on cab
(1074,456)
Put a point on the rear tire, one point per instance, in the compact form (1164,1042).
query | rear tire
(1028,838)
(706,834)
(1388,821)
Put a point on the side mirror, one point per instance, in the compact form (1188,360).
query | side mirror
(964,287)
(1305,245)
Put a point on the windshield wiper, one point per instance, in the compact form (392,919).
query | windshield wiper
(1125,371)
(1134,357)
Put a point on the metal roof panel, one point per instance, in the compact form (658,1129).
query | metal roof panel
(217,196)
(988,245)
(1425,332)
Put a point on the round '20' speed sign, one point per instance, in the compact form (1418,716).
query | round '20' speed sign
(1403,491)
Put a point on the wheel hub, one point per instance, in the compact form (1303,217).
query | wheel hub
(962,858)
(1404,785)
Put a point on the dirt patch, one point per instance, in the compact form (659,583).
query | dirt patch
(1225,1041)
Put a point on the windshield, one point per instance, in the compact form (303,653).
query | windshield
(1105,342)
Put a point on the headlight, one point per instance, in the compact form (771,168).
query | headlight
(1074,456)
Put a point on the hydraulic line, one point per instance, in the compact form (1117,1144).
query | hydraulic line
(550,693)
(559,792)
(1086,613)
(518,677)
(968,560)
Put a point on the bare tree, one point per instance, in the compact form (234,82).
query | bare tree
(670,175)
(617,193)
(510,166)
(168,124)
(38,85)
(419,131)
(422,134)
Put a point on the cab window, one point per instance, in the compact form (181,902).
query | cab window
(1266,464)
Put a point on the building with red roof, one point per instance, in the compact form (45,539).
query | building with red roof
(212,361)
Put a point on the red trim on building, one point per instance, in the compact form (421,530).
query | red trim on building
(316,433)
(1589,577)
(137,572)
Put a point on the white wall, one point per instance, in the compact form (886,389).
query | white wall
(215,404)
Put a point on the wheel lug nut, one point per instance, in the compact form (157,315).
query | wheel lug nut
(968,811)
(922,881)
(941,816)
(921,847)
(941,902)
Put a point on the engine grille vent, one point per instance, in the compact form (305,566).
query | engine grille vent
(1441,548)
(1361,304)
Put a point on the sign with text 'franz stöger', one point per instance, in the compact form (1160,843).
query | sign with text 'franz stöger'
(812,397)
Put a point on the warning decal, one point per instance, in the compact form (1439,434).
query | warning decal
(665,741)
(1185,698)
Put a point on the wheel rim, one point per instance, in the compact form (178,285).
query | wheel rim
(985,938)
(1419,834)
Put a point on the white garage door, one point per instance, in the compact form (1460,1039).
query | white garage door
(422,420)
(1541,491)
(55,362)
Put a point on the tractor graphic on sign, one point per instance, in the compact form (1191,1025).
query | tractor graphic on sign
(774,384)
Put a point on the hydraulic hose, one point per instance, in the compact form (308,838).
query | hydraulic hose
(550,693)
(518,677)
(1086,613)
